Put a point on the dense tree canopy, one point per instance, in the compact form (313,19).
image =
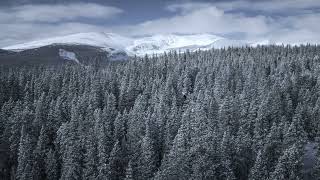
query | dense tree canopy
(236,113)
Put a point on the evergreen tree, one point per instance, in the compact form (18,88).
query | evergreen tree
(226,156)
(38,170)
(116,166)
(119,127)
(295,133)
(25,159)
(40,111)
(103,145)
(70,142)
(149,154)
(289,164)
(51,165)
(177,165)
(90,170)
(129,173)
(244,155)
(259,170)
(226,114)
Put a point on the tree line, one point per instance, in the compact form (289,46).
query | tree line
(233,113)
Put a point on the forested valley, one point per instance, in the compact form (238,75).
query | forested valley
(222,114)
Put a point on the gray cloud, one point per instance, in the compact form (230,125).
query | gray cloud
(30,22)
(294,27)
(286,21)
(20,33)
(271,6)
(57,13)
(205,17)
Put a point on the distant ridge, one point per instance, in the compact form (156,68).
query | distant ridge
(155,44)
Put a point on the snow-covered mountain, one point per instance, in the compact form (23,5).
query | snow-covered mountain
(160,43)
(117,44)
(109,41)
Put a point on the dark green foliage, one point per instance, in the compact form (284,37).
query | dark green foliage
(236,113)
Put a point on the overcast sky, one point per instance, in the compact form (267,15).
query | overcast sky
(277,21)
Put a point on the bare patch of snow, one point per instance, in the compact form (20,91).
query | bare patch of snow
(67,55)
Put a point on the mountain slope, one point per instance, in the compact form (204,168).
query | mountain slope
(56,54)
(5,52)
(160,43)
(120,47)
(102,40)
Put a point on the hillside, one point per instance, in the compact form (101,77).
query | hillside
(154,44)
(236,113)
(50,55)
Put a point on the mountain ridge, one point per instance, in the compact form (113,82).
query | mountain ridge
(154,44)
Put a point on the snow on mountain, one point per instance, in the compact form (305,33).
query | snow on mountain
(262,42)
(103,40)
(125,46)
(71,56)
(160,43)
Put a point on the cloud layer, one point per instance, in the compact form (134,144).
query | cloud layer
(197,18)
(28,22)
(57,13)
(286,21)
